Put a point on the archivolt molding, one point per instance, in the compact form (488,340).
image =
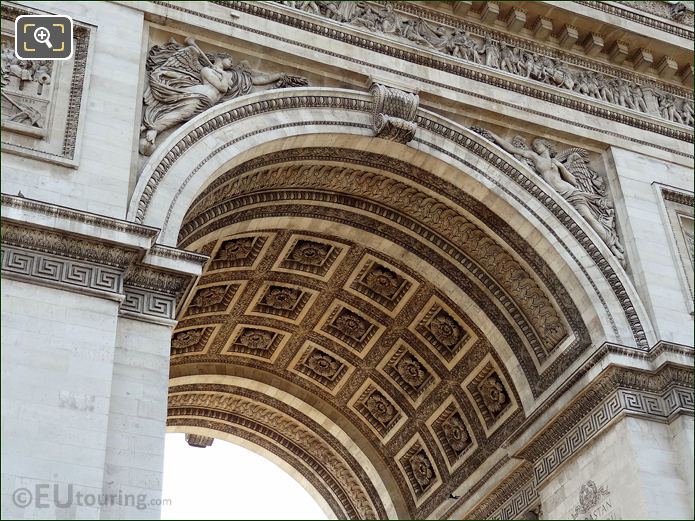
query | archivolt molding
(225,115)
(174,150)
(330,462)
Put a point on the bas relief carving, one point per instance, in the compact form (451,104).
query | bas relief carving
(25,92)
(570,175)
(184,81)
(459,43)
(594,503)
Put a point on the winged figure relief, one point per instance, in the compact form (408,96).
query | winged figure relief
(183,82)
(570,174)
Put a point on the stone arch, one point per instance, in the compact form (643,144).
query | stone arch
(246,127)
(512,264)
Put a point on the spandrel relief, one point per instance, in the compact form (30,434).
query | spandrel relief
(570,174)
(184,81)
(505,56)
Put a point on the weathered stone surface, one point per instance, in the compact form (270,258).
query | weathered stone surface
(436,257)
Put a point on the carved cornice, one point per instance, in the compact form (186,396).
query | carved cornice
(49,257)
(518,486)
(59,256)
(152,292)
(652,8)
(678,196)
(78,216)
(177,254)
(540,46)
(617,392)
(62,244)
(149,278)
(561,78)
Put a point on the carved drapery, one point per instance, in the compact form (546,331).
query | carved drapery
(570,175)
(184,81)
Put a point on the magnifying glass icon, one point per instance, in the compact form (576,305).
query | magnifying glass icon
(43,35)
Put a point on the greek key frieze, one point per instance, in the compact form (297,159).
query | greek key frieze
(45,268)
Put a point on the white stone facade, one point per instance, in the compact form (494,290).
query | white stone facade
(148,244)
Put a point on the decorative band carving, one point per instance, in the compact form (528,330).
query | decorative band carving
(46,268)
(617,392)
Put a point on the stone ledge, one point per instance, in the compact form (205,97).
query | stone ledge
(95,255)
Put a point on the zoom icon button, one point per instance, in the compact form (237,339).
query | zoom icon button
(43,37)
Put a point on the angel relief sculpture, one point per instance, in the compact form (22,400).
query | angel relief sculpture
(569,174)
(183,81)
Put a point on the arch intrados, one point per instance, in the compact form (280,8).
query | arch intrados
(351,117)
(481,175)
(261,450)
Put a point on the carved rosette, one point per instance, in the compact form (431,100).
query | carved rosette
(393,117)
